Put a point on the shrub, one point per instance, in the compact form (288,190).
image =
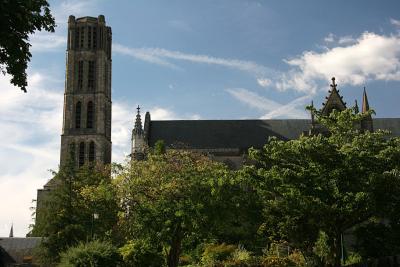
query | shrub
(95,253)
(214,254)
(274,261)
(140,252)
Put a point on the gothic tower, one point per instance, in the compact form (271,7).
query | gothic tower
(86,131)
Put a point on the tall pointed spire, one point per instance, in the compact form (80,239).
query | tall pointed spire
(11,231)
(365,104)
(138,123)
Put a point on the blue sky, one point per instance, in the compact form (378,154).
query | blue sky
(199,60)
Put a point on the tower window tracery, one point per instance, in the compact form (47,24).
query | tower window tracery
(80,74)
(94,37)
(81,154)
(91,151)
(77,32)
(78,113)
(89,39)
(89,117)
(82,36)
(91,75)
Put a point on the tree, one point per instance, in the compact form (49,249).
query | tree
(325,184)
(172,199)
(18,19)
(81,206)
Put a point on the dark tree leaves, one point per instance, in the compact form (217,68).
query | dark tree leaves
(18,19)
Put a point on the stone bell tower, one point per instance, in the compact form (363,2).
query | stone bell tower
(86,131)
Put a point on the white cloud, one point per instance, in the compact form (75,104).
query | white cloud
(264,82)
(346,40)
(161,56)
(78,8)
(29,146)
(141,54)
(271,108)
(395,22)
(330,38)
(47,42)
(371,57)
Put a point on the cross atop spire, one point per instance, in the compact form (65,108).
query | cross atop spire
(333,85)
(365,104)
(138,109)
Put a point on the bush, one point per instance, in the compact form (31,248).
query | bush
(95,253)
(274,261)
(215,254)
(141,252)
(241,258)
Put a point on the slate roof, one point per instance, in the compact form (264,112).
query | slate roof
(19,247)
(242,134)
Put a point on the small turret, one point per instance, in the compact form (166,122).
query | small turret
(366,123)
(138,138)
(356,109)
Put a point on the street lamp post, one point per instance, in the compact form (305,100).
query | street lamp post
(95,216)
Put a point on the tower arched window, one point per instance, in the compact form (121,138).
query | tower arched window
(81,154)
(71,151)
(78,113)
(92,151)
(89,117)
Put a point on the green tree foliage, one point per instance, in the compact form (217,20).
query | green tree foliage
(175,199)
(68,213)
(18,19)
(141,252)
(94,253)
(329,183)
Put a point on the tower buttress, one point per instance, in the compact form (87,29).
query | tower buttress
(86,127)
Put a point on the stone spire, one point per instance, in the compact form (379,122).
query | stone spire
(367,122)
(356,109)
(138,138)
(365,104)
(138,129)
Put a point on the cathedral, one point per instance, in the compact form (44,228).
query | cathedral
(86,130)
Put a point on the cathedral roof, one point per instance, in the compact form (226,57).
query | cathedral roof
(238,134)
(241,134)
